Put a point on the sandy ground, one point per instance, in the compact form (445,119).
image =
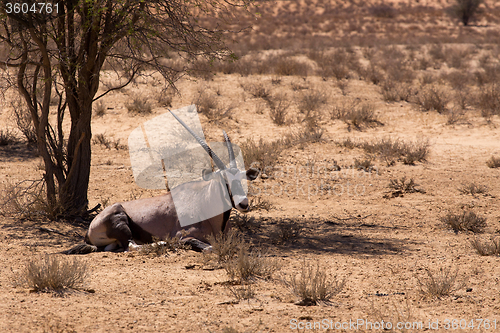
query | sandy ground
(382,245)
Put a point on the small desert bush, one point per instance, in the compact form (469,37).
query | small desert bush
(311,100)
(279,105)
(337,64)
(244,292)
(383,11)
(99,108)
(465,10)
(261,152)
(393,91)
(287,231)
(432,98)
(27,200)
(373,74)
(391,150)
(206,102)
(139,105)
(493,162)
(487,248)
(404,185)
(165,97)
(467,220)
(225,245)
(454,116)
(365,164)
(439,284)
(208,105)
(257,90)
(265,153)
(53,273)
(246,223)
(287,66)
(415,152)
(313,285)
(437,52)
(473,188)
(355,115)
(7,137)
(310,133)
(250,265)
(24,121)
(347,143)
(488,100)
(342,84)
(101,139)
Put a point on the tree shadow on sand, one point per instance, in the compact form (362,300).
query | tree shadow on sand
(322,235)
(18,152)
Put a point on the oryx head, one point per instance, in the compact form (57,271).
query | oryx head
(231,176)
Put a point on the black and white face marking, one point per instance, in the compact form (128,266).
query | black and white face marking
(233,178)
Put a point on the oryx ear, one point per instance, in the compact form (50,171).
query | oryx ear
(207,174)
(252,174)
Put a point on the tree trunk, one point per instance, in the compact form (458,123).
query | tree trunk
(73,194)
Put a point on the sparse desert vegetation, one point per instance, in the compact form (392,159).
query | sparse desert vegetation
(375,128)
(53,274)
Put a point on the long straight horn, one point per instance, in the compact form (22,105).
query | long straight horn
(230,151)
(210,152)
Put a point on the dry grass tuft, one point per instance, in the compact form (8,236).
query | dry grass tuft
(24,121)
(311,101)
(288,66)
(139,105)
(101,139)
(393,91)
(249,265)
(257,90)
(365,165)
(489,100)
(258,203)
(383,11)
(244,292)
(225,246)
(355,115)
(279,105)
(391,150)
(466,220)
(53,273)
(487,248)
(493,162)
(8,137)
(99,108)
(465,10)
(27,200)
(404,186)
(264,154)
(287,231)
(208,105)
(433,98)
(473,188)
(165,97)
(313,286)
(441,284)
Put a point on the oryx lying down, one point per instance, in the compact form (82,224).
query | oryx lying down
(123,225)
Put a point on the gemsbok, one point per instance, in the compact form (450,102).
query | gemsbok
(209,202)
